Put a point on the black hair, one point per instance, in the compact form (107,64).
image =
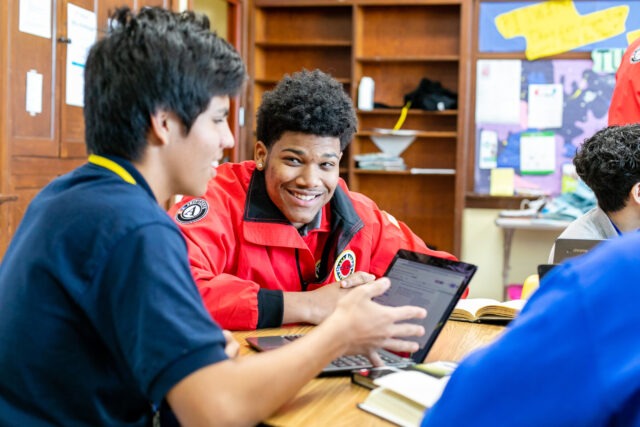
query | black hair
(309,102)
(609,163)
(156,59)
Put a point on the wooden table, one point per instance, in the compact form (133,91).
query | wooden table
(332,401)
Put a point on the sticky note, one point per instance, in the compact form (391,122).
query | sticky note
(502,182)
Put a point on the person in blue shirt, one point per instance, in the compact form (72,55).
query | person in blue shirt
(100,320)
(572,357)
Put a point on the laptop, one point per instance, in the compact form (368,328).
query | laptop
(565,249)
(416,279)
(569,248)
(544,269)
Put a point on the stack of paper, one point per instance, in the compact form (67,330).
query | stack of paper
(380,161)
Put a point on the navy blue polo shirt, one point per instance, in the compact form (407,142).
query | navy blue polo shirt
(99,315)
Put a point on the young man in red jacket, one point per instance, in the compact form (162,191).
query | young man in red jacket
(279,239)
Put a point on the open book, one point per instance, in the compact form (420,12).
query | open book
(486,309)
(403,397)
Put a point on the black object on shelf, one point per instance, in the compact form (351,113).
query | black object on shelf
(432,96)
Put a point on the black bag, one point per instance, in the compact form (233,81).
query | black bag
(431,96)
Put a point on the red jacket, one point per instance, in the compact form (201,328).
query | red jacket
(244,253)
(625,102)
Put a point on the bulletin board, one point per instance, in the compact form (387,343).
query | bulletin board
(585,100)
(532,113)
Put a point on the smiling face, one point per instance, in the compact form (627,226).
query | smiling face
(195,156)
(301,173)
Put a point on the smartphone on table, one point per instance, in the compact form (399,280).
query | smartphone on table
(365,377)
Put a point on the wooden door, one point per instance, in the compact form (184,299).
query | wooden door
(32,150)
(37,147)
(241,151)
(230,26)
(71,119)
(71,130)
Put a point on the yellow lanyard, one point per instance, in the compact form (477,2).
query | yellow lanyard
(113,167)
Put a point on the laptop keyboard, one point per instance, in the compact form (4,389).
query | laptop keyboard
(352,361)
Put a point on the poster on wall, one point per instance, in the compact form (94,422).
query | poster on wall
(537,153)
(498,91)
(545,105)
(35,17)
(81,30)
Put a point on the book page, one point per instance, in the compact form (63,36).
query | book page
(421,388)
(507,309)
(517,304)
(472,305)
(393,407)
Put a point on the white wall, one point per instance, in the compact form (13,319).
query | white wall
(482,246)
(216,10)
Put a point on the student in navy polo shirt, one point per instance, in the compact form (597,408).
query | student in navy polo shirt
(100,320)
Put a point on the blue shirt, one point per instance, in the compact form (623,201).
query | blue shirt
(572,358)
(99,314)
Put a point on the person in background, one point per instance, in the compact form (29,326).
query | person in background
(101,320)
(625,100)
(571,358)
(279,239)
(609,164)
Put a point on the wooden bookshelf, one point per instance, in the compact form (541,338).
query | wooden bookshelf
(396,43)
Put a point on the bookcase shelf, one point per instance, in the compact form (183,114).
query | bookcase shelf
(319,44)
(440,58)
(272,82)
(412,171)
(396,43)
(397,111)
(420,134)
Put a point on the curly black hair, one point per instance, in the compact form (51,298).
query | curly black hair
(309,102)
(156,59)
(609,163)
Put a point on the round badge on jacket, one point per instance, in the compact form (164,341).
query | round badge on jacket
(635,57)
(192,211)
(345,265)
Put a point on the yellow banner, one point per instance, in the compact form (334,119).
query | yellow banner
(632,36)
(555,26)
